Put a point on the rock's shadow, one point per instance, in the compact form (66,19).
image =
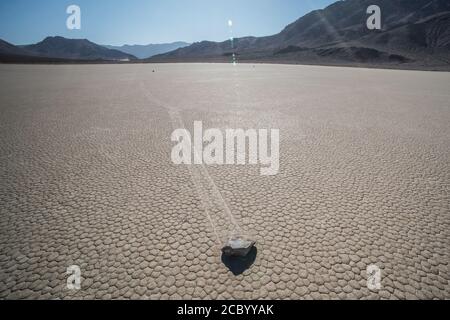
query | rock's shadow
(238,265)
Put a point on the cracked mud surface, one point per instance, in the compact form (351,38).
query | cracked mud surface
(86,179)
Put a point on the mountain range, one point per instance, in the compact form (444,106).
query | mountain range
(149,50)
(75,49)
(414,34)
(60,49)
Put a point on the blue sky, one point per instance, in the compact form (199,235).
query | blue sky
(118,22)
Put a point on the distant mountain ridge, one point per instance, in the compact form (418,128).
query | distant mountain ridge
(10,49)
(416,30)
(63,49)
(150,50)
(59,47)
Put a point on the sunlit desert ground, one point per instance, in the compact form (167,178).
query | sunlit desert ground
(86,179)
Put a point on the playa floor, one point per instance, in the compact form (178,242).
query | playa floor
(86,179)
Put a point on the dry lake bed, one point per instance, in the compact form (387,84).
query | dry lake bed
(86,179)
